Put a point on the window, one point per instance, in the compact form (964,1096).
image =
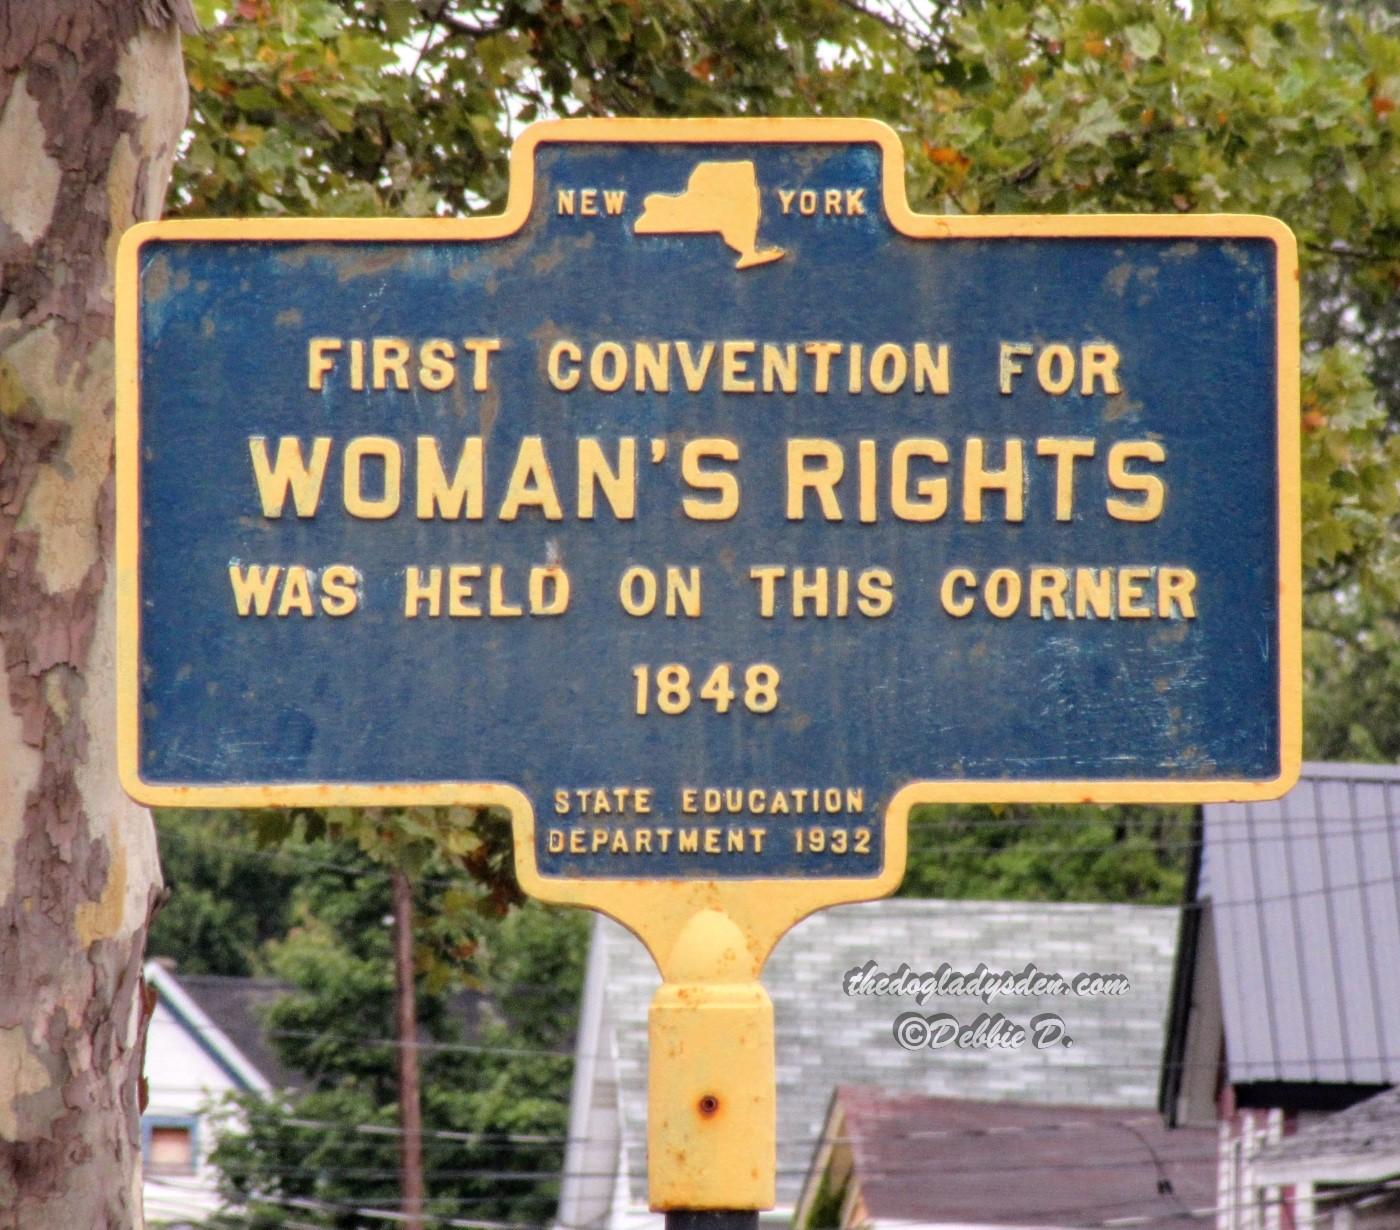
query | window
(169,1147)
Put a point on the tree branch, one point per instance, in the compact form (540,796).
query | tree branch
(887,20)
(439,15)
(1347,252)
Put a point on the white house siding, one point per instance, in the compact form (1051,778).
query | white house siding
(190,1064)
(1241,1203)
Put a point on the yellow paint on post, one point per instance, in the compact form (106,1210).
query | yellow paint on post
(711,1092)
(711,1100)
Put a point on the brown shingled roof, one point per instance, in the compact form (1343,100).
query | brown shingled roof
(1354,1145)
(944,1160)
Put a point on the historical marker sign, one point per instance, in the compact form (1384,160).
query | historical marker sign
(709,508)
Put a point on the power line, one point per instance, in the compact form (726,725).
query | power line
(1363,826)
(1250,1201)
(933,1169)
(388,1136)
(470,1048)
(1019,908)
(307,1204)
(375,1129)
(928,1166)
(973,1003)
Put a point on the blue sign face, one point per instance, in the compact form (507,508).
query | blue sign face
(713,501)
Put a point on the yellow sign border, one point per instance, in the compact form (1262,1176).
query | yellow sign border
(647,901)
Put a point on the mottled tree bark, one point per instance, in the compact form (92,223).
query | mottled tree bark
(92,103)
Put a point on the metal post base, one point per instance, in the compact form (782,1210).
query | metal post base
(711,1219)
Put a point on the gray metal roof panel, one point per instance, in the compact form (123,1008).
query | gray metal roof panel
(1306,891)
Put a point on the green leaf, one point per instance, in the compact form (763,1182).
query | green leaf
(1099,122)
(1144,41)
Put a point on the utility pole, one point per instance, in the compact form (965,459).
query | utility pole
(406,1035)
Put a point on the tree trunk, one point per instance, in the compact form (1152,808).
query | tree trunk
(92,103)
(406,1030)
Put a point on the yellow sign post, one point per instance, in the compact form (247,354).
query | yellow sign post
(711,1097)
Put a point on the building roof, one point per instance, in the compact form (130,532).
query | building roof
(1356,1145)
(207,1031)
(826,1037)
(1305,895)
(237,1005)
(928,1160)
